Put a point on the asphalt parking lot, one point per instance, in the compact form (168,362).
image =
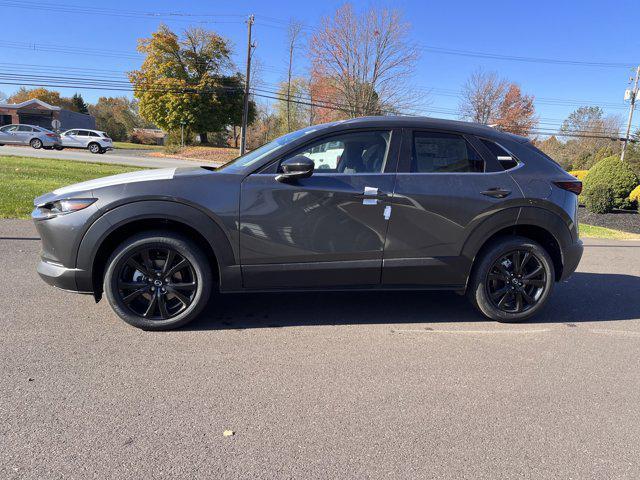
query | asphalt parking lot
(340,385)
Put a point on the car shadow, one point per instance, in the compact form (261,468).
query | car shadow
(585,297)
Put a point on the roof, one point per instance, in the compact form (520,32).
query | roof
(429,122)
(27,103)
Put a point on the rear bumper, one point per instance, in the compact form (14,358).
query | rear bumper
(571,258)
(59,276)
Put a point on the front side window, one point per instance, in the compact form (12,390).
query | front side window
(349,153)
(434,152)
(9,128)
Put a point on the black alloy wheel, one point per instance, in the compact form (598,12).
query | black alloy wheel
(516,281)
(158,280)
(157,283)
(512,279)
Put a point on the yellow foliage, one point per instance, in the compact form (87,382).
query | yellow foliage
(634,196)
(579,174)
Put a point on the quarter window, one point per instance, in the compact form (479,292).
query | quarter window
(349,153)
(443,153)
(504,158)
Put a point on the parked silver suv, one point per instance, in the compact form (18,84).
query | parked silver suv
(37,137)
(93,140)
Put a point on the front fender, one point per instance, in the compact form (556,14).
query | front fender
(210,228)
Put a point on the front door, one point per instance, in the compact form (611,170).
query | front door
(326,230)
(447,184)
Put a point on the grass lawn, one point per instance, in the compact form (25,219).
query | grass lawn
(135,146)
(592,231)
(24,178)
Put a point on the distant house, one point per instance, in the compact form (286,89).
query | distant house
(37,112)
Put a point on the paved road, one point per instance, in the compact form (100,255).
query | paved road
(398,385)
(134,158)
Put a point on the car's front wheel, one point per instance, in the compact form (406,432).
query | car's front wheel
(512,280)
(36,143)
(158,280)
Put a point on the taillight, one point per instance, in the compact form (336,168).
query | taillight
(573,187)
(52,135)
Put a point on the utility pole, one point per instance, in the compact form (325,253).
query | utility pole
(634,95)
(245,110)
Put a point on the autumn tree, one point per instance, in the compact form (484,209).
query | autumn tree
(188,79)
(481,97)
(516,112)
(51,97)
(368,59)
(117,116)
(293,112)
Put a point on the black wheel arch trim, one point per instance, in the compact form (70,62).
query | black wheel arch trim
(174,211)
(534,216)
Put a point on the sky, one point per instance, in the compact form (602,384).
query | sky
(88,39)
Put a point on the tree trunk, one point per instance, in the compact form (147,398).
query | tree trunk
(203,138)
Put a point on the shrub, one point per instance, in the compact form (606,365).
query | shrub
(579,174)
(600,199)
(143,138)
(171,149)
(614,174)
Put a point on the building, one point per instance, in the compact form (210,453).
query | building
(37,112)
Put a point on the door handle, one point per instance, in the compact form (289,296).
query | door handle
(496,192)
(371,195)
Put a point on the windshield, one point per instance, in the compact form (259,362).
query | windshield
(254,156)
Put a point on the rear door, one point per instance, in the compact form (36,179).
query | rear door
(83,137)
(325,230)
(447,185)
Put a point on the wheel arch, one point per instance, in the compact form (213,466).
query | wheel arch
(116,225)
(540,225)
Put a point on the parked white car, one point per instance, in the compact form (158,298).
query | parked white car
(36,137)
(93,140)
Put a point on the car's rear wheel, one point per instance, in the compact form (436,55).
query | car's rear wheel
(36,143)
(58,147)
(158,281)
(512,280)
(94,148)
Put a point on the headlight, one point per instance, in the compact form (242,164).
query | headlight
(61,207)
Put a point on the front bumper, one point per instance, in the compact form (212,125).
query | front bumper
(571,258)
(59,276)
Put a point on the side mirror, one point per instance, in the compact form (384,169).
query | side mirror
(296,167)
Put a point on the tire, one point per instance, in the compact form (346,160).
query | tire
(122,281)
(58,147)
(496,282)
(94,147)
(102,151)
(36,143)
(48,148)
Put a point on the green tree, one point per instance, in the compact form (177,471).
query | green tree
(188,79)
(78,104)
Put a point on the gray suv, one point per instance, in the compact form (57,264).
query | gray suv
(380,203)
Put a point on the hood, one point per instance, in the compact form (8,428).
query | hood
(122,178)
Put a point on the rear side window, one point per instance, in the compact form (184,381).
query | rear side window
(443,153)
(24,128)
(93,134)
(504,158)
(82,133)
